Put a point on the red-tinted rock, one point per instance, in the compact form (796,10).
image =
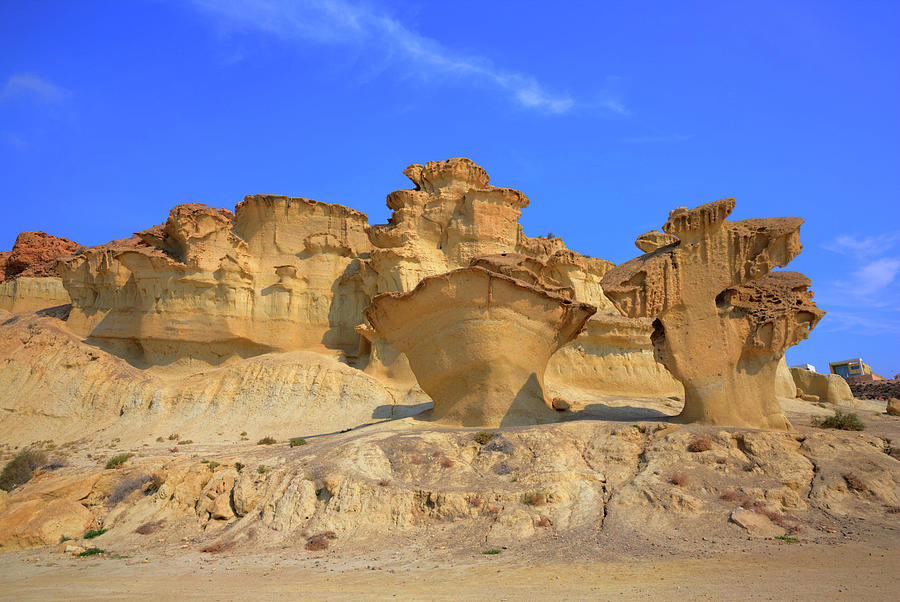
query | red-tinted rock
(35,254)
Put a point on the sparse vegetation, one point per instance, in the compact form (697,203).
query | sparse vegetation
(787,538)
(117,460)
(160,440)
(64,538)
(535,498)
(94,533)
(492,508)
(238,466)
(298,441)
(746,502)
(156,481)
(383,483)
(416,460)
(491,552)
(219,546)
(544,522)
(150,527)
(721,460)
(174,437)
(319,541)
(483,437)
(212,465)
(267,441)
(184,442)
(474,500)
(125,488)
(244,434)
(854,482)
(262,469)
(700,444)
(892,509)
(91,552)
(678,478)
(447,463)
(21,467)
(844,422)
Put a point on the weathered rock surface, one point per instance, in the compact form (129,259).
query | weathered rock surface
(34,254)
(405,479)
(830,388)
(478,339)
(285,273)
(723,321)
(28,277)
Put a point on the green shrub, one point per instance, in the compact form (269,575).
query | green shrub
(490,552)
(117,460)
(262,469)
(91,552)
(298,441)
(185,442)
(94,533)
(844,422)
(21,467)
(787,539)
(267,441)
(483,437)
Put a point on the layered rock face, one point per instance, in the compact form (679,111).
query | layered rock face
(28,277)
(284,274)
(722,321)
(210,285)
(478,339)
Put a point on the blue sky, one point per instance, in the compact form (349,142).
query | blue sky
(606,114)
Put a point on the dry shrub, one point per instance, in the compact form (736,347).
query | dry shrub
(384,483)
(892,509)
(544,522)
(854,482)
(267,440)
(126,487)
(20,469)
(535,498)
(319,541)
(436,453)
(721,460)
(150,527)
(678,478)
(700,444)
(493,509)
(219,546)
(416,460)
(736,496)
(745,501)
(483,437)
(474,500)
(447,463)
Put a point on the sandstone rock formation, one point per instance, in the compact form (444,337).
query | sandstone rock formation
(722,320)
(478,339)
(28,277)
(830,388)
(284,274)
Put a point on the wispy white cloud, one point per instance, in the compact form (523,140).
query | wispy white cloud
(864,246)
(837,321)
(342,22)
(29,86)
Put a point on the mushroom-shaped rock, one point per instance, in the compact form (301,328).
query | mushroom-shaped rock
(722,322)
(652,240)
(478,342)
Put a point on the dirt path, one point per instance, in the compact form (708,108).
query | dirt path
(787,573)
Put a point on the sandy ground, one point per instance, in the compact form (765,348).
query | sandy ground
(784,572)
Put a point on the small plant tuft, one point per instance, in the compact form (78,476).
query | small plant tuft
(267,441)
(117,460)
(491,552)
(20,469)
(787,538)
(854,482)
(219,546)
(94,533)
(150,527)
(483,437)
(678,478)
(91,552)
(544,522)
(297,441)
(700,444)
(447,463)
(383,483)
(262,469)
(319,541)
(535,498)
(174,437)
(841,421)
